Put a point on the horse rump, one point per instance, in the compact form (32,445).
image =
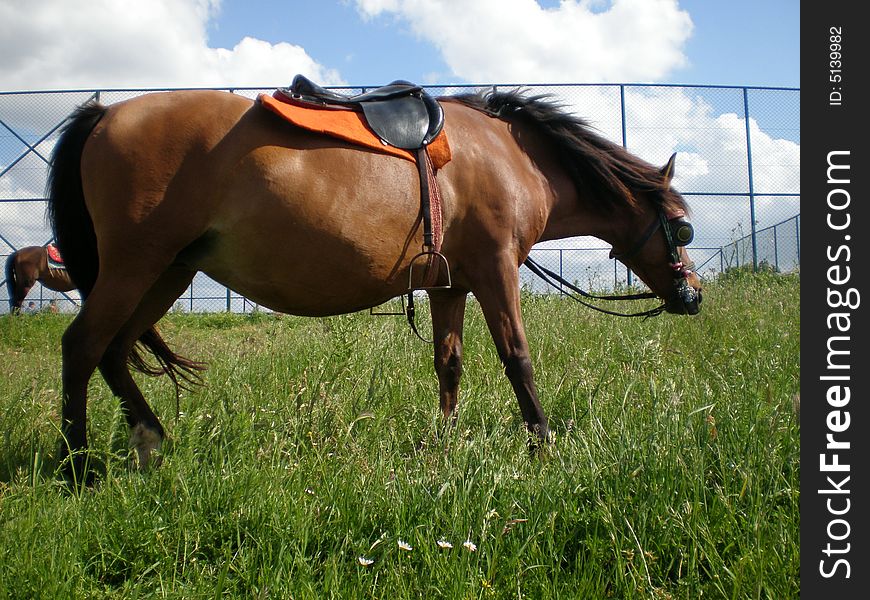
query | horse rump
(76,239)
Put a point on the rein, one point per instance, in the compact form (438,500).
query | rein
(555,280)
(677,232)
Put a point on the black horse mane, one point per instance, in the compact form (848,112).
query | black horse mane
(595,164)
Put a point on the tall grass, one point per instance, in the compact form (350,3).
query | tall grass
(315,456)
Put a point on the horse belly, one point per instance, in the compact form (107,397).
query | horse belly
(319,247)
(314,280)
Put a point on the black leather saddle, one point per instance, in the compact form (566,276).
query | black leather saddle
(402,114)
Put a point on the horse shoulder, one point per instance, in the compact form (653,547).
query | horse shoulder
(495,175)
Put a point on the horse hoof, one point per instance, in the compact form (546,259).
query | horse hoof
(146,442)
(76,471)
(540,438)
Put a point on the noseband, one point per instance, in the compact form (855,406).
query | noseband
(677,231)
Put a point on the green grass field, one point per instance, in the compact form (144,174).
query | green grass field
(314,462)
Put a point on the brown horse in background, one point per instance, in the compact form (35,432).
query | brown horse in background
(28,265)
(146,193)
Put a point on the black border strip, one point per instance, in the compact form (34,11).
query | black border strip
(835,300)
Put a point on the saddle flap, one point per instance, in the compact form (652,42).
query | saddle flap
(401,122)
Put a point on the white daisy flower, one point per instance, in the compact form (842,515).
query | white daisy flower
(444,545)
(366,562)
(469,545)
(403,545)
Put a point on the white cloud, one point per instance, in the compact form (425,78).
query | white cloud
(516,41)
(67,44)
(519,41)
(712,147)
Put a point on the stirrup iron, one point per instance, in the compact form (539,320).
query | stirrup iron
(433,259)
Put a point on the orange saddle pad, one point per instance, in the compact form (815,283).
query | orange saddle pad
(350,126)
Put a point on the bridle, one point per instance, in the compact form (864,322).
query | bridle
(677,232)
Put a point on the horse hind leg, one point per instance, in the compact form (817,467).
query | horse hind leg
(146,432)
(109,306)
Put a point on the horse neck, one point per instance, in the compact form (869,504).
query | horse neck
(572,215)
(573,212)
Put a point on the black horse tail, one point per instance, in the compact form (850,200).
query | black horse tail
(77,241)
(10,282)
(67,214)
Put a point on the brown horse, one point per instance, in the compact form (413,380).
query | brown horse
(146,193)
(28,265)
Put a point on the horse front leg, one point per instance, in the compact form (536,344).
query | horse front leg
(19,282)
(448,315)
(499,297)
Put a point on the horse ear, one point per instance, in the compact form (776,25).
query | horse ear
(668,170)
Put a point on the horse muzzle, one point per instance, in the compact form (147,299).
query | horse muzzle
(686,299)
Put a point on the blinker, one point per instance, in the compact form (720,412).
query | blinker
(682,231)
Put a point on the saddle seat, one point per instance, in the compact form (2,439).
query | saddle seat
(306,88)
(401,113)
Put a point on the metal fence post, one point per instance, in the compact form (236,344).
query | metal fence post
(751,182)
(797,233)
(624,145)
(775,249)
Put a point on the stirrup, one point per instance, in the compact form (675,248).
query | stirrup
(433,257)
(388,312)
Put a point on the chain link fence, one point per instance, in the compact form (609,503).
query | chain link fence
(738,166)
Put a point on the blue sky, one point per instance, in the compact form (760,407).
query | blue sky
(65,44)
(739,42)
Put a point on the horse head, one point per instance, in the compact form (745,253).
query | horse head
(658,255)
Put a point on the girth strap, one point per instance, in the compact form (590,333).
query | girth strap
(431,211)
(430,202)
